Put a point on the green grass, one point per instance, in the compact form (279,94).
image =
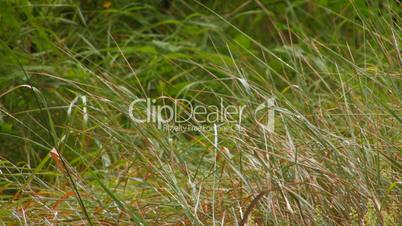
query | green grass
(70,69)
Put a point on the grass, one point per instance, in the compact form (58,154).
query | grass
(70,154)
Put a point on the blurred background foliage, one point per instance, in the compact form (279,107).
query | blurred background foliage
(164,40)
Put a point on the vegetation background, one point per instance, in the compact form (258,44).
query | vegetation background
(69,154)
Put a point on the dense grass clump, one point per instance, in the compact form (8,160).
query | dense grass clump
(331,70)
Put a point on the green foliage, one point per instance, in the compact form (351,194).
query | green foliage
(334,68)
